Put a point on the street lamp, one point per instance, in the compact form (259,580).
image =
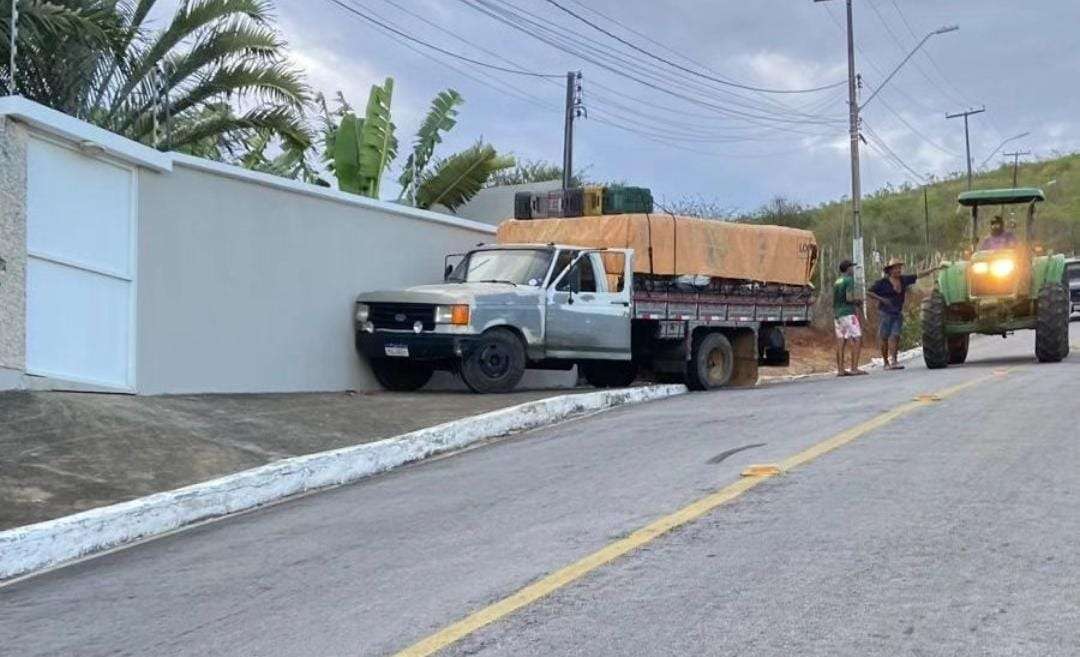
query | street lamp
(941,30)
(1001,145)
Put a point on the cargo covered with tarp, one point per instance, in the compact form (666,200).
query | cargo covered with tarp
(667,245)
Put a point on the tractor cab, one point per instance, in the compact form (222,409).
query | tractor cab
(1001,261)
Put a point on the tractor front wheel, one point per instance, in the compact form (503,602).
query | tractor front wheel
(1052,324)
(935,344)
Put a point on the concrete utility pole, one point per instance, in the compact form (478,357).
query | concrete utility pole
(1016,163)
(967,135)
(13,88)
(926,215)
(574,109)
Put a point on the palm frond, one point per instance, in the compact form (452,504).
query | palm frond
(460,176)
(440,118)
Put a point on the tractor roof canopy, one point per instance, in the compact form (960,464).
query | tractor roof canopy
(1001,196)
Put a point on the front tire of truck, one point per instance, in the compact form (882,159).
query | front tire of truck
(712,361)
(401,375)
(496,363)
(611,374)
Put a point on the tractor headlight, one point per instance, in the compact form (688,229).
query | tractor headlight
(457,314)
(363,312)
(980,268)
(1002,268)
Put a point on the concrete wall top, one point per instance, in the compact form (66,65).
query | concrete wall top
(91,138)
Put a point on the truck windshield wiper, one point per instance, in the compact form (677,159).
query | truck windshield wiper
(495,280)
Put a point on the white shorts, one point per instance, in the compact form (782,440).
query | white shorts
(848,327)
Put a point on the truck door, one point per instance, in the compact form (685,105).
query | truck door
(588,312)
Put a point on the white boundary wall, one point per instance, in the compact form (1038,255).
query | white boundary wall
(245,281)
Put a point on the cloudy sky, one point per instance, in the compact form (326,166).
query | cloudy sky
(686,135)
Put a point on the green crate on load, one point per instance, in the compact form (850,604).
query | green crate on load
(627,200)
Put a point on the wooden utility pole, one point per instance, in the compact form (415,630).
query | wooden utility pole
(967,136)
(1016,163)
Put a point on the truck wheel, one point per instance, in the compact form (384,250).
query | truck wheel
(935,345)
(401,375)
(711,362)
(496,363)
(1052,324)
(610,374)
(958,349)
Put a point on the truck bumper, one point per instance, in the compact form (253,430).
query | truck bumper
(422,346)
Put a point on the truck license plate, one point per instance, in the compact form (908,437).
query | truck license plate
(398,350)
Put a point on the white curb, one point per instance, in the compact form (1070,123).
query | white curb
(27,549)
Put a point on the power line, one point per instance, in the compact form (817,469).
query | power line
(444,51)
(652,55)
(553,37)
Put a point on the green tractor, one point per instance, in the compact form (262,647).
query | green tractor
(1006,286)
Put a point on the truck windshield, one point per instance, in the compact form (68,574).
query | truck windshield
(513,266)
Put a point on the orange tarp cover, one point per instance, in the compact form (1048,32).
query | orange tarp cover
(682,245)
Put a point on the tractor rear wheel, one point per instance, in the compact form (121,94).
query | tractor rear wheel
(958,349)
(935,344)
(1052,324)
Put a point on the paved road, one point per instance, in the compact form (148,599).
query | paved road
(951,530)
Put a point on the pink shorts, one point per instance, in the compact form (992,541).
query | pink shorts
(848,328)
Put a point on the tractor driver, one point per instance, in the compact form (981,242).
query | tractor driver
(999,238)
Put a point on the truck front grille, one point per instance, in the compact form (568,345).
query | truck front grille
(402,316)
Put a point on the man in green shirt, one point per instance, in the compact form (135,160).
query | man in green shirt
(846,320)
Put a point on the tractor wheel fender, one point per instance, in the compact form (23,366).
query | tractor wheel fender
(952,282)
(1046,269)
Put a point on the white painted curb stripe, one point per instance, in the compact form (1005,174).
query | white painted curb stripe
(24,550)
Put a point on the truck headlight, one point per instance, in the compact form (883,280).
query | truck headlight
(457,314)
(363,312)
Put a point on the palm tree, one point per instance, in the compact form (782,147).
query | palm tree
(206,83)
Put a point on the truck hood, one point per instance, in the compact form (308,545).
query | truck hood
(451,293)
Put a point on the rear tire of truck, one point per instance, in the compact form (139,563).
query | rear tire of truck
(612,374)
(958,349)
(935,343)
(1052,324)
(712,361)
(401,375)
(496,363)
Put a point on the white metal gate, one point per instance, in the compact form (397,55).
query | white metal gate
(81,267)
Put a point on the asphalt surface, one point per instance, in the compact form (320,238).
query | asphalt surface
(950,531)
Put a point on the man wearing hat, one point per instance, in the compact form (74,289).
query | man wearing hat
(846,320)
(999,238)
(890,293)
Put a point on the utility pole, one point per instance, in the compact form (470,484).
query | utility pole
(1016,163)
(13,88)
(574,109)
(926,214)
(967,136)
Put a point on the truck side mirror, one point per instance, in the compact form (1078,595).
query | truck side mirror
(575,281)
(446,272)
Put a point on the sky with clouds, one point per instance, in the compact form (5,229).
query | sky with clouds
(686,135)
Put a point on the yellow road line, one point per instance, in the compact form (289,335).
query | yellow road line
(560,578)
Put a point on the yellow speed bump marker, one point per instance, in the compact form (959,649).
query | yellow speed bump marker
(761,470)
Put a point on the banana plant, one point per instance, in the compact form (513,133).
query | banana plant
(459,177)
(440,119)
(364,147)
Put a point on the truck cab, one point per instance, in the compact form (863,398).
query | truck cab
(502,309)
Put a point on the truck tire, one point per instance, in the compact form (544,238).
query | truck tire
(711,363)
(496,363)
(610,374)
(401,375)
(935,344)
(958,349)
(1052,324)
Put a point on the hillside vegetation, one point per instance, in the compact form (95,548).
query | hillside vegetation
(894,220)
